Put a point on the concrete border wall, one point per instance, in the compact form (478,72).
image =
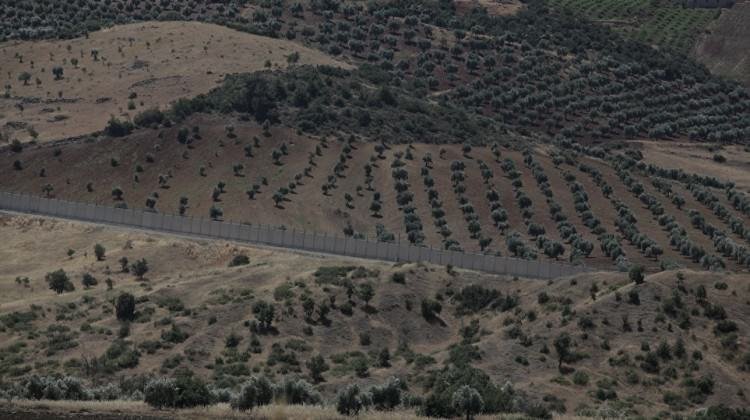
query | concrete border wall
(307,241)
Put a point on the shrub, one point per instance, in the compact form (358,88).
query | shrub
(317,365)
(149,117)
(117,128)
(466,400)
(636,274)
(99,252)
(399,278)
(255,392)
(140,268)
(174,335)
(633,297)
(580,378)
(475,298)
(430,309)
(191,391)
(388,395)
(562,347)
(350,401)
(161,392)
(264,313)
(239,260)
(296,391)
(88,281)
(361,367)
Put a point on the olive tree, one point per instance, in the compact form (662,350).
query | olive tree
(467,401)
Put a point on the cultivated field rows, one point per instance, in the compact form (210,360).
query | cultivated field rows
(154,168)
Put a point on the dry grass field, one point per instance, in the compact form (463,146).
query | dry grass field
(136,67)
(128,409)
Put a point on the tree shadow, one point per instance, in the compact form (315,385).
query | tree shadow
(370,310)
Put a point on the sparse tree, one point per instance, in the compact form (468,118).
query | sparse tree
(88,281)
(636,274)
(264,313)
(47,189)
(99,252)
(140,268)
(59,281)
(125,307)
(58,72)
(216,213)
(124,264)
(375,207)
(24,77)
(317,365)
(562,347)
(366,292)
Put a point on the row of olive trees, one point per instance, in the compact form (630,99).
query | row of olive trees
(405,198)
(458,179)
(436,205)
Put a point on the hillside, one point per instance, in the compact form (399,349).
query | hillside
(554,130)
(120,71)
(193,312)
(724,49)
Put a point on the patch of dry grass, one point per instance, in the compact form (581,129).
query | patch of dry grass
(223,411)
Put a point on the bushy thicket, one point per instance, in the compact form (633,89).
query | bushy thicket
(61,387)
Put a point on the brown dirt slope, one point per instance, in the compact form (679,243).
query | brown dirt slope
(725,49)
(157,61)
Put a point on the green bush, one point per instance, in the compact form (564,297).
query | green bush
(398,278)
(296,391)
(466,400)
(161,393)
(174,335)
(350,401)
(431,309)
(149,117)
(254,392)
(191,391)
(117,128)
(474,298)
(636,274)
(580,378)
(238,260)
(450,379)
(388,395)
(125,307)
